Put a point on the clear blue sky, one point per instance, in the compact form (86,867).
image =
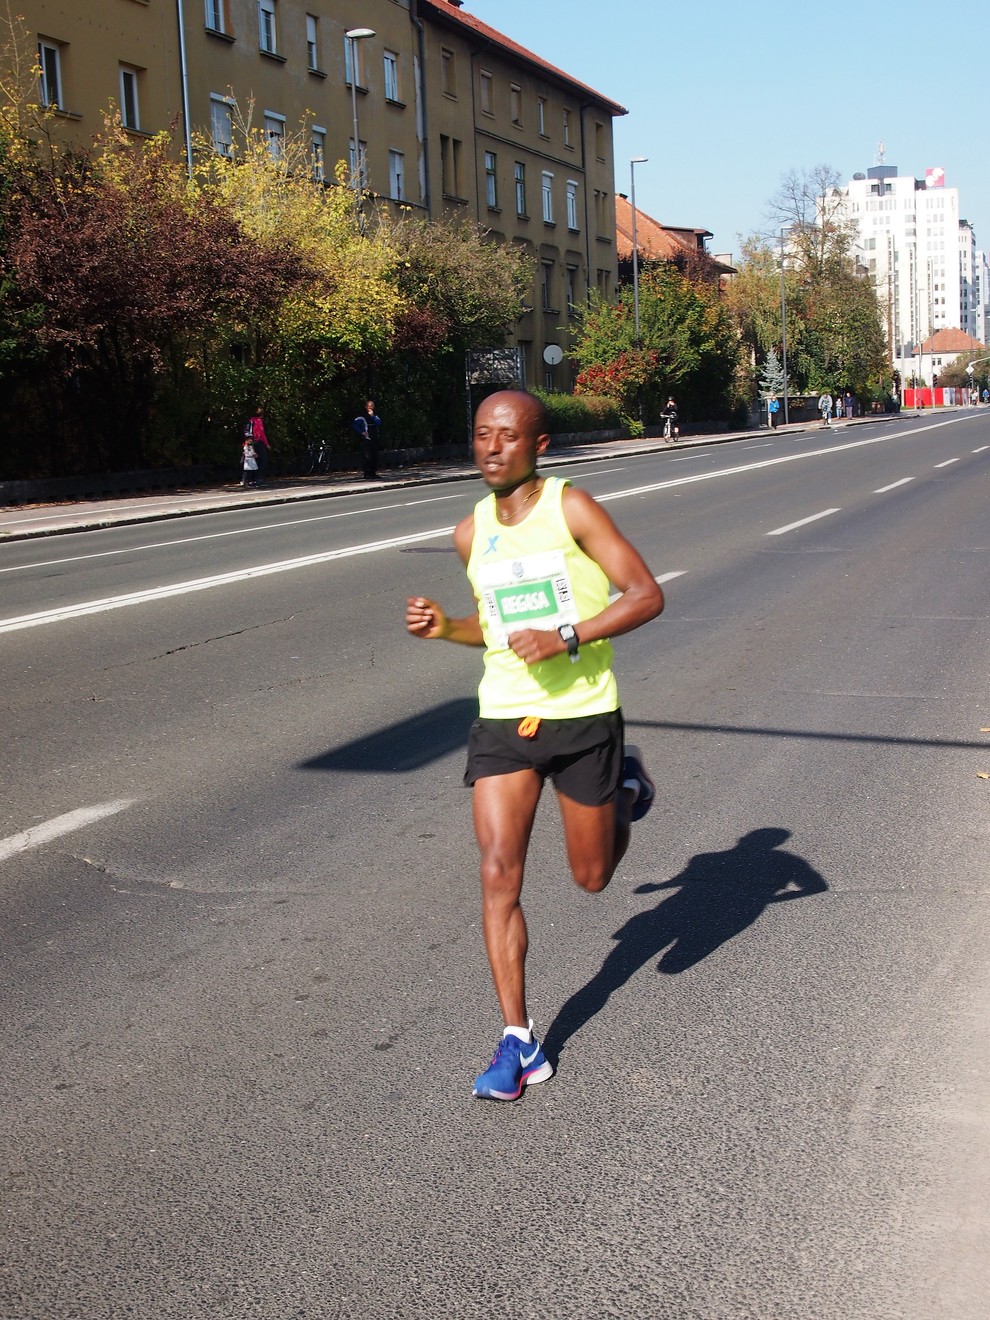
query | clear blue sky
(726,98)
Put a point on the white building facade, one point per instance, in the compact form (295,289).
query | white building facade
(920,253)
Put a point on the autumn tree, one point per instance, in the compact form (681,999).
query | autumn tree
(687,347)
(133,269)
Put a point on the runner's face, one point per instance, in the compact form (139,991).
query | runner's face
(506,441)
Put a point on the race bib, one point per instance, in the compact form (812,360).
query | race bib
(531,592)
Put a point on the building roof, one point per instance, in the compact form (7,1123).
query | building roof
(949,341)
(656,242)
(449,11)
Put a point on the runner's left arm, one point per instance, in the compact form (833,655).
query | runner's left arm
(640,598)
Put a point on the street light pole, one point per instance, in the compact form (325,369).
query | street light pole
(636,160)
(783,322)
(354,35)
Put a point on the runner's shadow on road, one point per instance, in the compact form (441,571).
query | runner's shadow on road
(716,897)
(408,745)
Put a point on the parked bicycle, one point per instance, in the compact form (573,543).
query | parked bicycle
(317,458)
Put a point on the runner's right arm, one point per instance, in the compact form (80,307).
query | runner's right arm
(425,618)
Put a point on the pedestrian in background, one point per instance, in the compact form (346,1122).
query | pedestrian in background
(368,426)
(249,463)
(773,408)
(254,432)
(850,404)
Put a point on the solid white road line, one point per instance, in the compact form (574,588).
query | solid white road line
(802,522)
(59,825)
(893,485)
(282,566)
(204,584)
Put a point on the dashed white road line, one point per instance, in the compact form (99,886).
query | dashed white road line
(59,825)
(802,522)
(263,570)
(947,462)
(661,578)
(982,449)
(893,485)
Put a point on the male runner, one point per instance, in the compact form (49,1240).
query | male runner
(540,555)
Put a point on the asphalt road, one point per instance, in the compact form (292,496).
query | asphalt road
(243,985)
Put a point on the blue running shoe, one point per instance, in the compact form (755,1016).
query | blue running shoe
(634,776)
(514,1064)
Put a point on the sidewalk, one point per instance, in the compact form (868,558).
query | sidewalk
(22,522)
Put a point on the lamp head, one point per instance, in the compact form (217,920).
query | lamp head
(356,34)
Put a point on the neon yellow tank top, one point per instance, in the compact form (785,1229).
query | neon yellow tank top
(535,575)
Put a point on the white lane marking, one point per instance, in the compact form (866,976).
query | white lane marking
(661,578)
(200,584)
(982,449)
(204,584)
(194,540)
(947,462)
(802,522)
(747,448)
(59,825)
(770,462)
(893,485)
(381,508)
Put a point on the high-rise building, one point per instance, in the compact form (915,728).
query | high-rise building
(453,117)
(921,254)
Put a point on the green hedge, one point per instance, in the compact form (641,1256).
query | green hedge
(567,413)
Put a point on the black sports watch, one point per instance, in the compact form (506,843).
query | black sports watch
(570,639)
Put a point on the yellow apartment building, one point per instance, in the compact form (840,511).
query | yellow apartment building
(451,116)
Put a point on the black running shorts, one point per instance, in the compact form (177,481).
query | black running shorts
(581,757)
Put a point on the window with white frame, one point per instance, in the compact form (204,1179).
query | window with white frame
(520,188)
(541,115)
(391,76)
(491,179)
(222,125)
(567,129)
(216,16)
(358,167)
(130,108)
(318,153)
(353,56)
(572,204)
(275,134)
(396,175)
(50,63)
(547,190)
(267,34)
(312,42)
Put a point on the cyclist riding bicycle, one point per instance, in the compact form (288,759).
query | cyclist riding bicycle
(669,414)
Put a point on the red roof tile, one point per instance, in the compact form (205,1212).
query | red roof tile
(450,13)
(656,242)
(950,341)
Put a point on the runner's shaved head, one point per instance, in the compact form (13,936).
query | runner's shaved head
(529,409)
